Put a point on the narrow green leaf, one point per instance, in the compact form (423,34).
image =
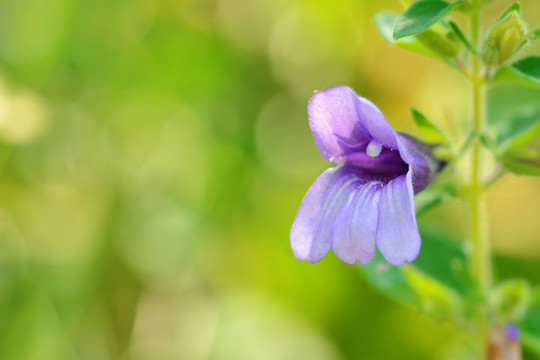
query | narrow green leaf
(421,15)
(523,153)
(528,68)
(429,132)
(522,167)
(514,7)
(462,37)
(385,21)
(489,143)
(530,325)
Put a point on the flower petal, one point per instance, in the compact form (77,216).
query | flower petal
(355,228)
(311,232)
(341,120)
(398,239)
(423,165)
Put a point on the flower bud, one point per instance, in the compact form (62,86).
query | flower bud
(505,38)
(441,40)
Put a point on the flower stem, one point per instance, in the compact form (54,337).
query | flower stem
(481,264)
(480,258)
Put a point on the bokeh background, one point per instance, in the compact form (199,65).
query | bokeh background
(153,155)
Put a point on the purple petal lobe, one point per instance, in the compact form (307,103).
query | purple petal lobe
(373,120)
(311,233)
(308,214)
(397,238)
(423,165)
(341,121)
(353,238)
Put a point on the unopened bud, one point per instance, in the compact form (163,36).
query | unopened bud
(441,40)
(505,38)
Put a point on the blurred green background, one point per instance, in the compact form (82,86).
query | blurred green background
(153,156)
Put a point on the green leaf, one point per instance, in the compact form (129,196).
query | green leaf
(528,68)
(421,15)
(530,325)
(524,153)
(429,132)
(510,75)
(525,71)
(389,280)
(434,281)
(443,258)
(513,114)
(522,167)
(530,342)
(514,7)
(516,127)
(434,298)
(385,24)
(407,284)
(535,297)
(462,37)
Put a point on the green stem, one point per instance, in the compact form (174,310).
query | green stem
(480,257)
(481,265)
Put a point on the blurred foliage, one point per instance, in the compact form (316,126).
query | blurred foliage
(153,155)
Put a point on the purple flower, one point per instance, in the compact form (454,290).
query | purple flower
(367,200)
(512,332)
